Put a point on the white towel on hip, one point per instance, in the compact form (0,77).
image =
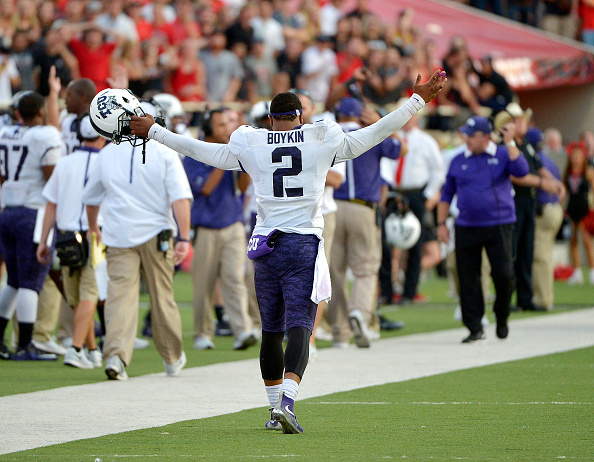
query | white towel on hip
(322,288)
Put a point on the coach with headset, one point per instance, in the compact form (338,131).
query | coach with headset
(480,178)
(220,241)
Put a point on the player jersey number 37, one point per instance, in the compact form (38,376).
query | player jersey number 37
(23,151)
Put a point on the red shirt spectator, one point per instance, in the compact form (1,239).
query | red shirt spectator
(94,57)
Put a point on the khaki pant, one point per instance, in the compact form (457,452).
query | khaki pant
(48,310)
(485,273)
(547,227)
(220,252)
(121,306)
(357,245)
(80,284)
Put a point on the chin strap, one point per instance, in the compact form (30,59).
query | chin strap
(143,150)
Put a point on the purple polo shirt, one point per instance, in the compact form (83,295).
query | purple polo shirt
(542,196)
(483,187)
(219,210)
(363,179)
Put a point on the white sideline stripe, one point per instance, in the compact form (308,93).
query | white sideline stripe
(60,415)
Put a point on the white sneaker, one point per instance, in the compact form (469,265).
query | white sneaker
(50,347)
(591,276)
(203,343)
(173,370)
(374,335)
(313,352)
(141,343)
(244,341)
(77,359)
(360,329)
(66,342)
(96,357)
(485,321)
(341,345)
(577,278)
(322,334)
(115,369)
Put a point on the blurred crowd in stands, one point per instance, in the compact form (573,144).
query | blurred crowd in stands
(233,50)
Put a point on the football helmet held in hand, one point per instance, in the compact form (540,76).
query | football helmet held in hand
(110,114)
(402,231)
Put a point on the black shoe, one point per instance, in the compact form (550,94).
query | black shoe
(147,330)
(5,352)
(223,329)
(502,330)
(534,308)
(386,324)
(477,336)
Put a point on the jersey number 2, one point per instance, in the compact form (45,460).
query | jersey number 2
(280,173)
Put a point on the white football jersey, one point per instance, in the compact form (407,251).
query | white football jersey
(69,133)
(288,170)
(23,153)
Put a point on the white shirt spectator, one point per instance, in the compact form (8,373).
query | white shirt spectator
(8,71)
(121,25)
(329,16)
(319,66)
(136,198)
(270,31)
(148,12)
(423,164)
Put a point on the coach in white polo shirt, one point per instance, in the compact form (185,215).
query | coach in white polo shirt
(138,203)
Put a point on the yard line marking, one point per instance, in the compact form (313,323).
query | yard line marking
(195,394)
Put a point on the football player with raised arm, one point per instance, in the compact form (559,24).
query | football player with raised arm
(288,166)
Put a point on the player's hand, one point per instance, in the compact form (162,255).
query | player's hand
(432,87)
(44,254)
(140,126)
(181,252)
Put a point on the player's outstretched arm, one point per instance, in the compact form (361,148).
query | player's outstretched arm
(359,141)
(215,154)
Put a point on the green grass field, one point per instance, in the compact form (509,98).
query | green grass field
(432,316)
(536,409)
(530,410)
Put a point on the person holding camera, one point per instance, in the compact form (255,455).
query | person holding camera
(480,178)
(65,209)
(138,203)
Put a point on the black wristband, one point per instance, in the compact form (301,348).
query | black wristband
(181,239)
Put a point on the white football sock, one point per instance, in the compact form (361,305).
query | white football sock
(290,388)
(273,391)
(7,302)
(26,303)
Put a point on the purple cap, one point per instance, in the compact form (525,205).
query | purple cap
(476,124)
(350,107)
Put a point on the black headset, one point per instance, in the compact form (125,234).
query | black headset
(206,124)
